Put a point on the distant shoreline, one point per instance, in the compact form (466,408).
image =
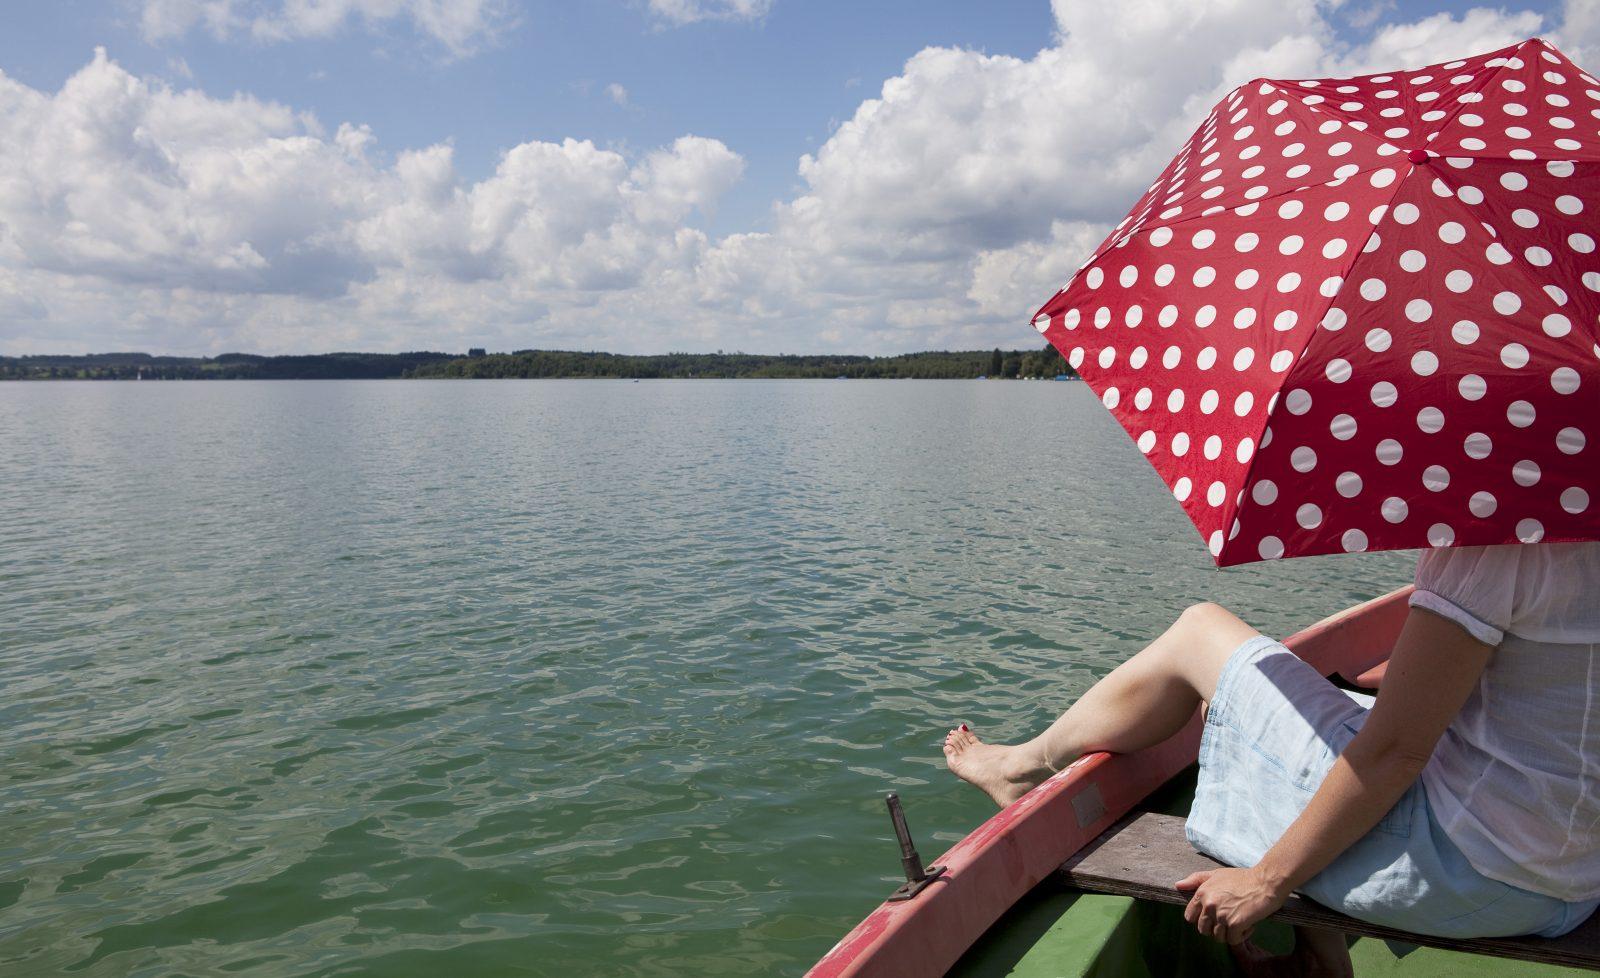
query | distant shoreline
(542,364)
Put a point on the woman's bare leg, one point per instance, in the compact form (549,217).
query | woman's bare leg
(1141,703)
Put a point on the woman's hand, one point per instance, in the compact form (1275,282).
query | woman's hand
(1228,903)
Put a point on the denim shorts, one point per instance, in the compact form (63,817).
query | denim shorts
(1271,735)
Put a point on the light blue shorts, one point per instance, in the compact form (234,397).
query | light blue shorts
(1271,735)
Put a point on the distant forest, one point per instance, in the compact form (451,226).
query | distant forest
(534,363)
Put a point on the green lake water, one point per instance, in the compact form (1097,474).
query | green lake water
(548,678)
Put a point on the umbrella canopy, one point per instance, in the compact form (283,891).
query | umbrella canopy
(1361,313)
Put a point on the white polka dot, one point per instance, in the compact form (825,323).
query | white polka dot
(1520,414)
(1483,504)
(1182,488)
(1514,355)
(1435,478)
(1430,420)
(1472,387)
(1477,446)
(1338,370)
(1465,332)
(1204,238)
(1441,535)
(1353,541)
(1530,530)
(1270,548)
(1373,289)
(1246,449)
(1389,451)
(1216,493)
(1180,444)
(1147,442)
(1413,260)
(1564,380)
(1395,509)
(1406,213)
(1215,543)
(1264,492)
(1424,363)
(1303,459)
(1581,243)
(1112,397)
(1282,360)
(1384,394)
(1175,400)
(1160,236)
(1348,484)
(1378,340)
(1297,402)
(1568,204)
(1526,473)
(1575,499)
(1506,303)
(1342,427)
(1570,441)
(1309,515)
(1459,280)
(1418,310)
(1452,233)
(1095,277)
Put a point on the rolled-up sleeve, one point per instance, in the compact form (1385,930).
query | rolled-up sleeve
(1475,587)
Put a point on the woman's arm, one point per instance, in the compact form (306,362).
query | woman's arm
(1432,671)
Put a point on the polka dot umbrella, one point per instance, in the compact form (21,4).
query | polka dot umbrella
(1361,313)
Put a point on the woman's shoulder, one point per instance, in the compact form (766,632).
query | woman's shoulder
(1542,591)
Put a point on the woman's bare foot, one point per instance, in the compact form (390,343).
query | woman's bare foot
(1003,773)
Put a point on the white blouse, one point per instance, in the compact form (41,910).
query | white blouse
(1515,780)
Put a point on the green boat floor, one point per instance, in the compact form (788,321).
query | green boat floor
(1055,932)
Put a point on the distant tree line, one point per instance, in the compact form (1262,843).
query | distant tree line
(944,365)
(533,363)
(227,366)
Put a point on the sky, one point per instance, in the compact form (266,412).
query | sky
(641,176)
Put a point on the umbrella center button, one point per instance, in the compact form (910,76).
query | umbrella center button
(1417,156)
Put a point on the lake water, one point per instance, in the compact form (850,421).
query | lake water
(542,677)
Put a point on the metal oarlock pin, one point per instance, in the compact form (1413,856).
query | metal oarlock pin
(916,877)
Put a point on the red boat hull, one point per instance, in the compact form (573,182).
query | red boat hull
(1005,857)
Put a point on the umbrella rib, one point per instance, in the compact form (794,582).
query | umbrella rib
(1488,80)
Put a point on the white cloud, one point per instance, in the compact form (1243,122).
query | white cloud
(689,11)
(460,26)
(939,215)
(617,94)
(238,210)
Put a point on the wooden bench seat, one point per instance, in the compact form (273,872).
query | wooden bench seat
(1145,853)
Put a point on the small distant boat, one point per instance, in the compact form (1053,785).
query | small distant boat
(1075,878)
(1063,376)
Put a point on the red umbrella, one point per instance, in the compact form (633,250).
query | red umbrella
(1361,313)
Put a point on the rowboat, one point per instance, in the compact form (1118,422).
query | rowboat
(1075,877)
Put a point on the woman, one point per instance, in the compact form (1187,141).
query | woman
(1463,802)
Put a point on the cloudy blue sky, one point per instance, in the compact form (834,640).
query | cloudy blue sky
(202,176)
